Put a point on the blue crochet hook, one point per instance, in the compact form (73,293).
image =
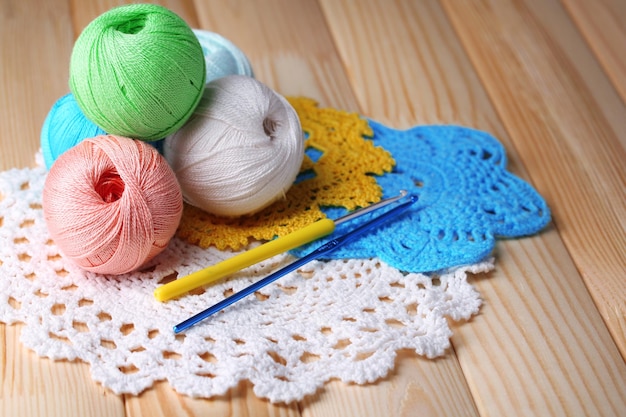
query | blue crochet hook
(316,254)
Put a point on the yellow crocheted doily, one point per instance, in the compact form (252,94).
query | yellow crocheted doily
(340,177)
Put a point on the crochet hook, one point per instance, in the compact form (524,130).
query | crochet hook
(274,247)
(316,254)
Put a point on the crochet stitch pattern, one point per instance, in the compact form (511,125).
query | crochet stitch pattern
(337,171)
(467,199)
(343,319)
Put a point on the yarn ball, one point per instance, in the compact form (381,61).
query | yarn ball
(221,56)
(240,151)
(64,127)
(111,204)
(138,71)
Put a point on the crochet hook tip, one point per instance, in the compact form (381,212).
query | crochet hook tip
(360,212)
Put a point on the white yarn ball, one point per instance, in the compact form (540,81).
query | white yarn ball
(240,151)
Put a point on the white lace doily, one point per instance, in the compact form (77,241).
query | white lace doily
(340,319)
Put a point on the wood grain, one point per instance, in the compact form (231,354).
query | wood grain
(36,43)
(294,54)
(84,12)
(416,387)
(542,336)
(568,125)
(162,401)
(603,24)
(37,387)
(406,65)
(538,311)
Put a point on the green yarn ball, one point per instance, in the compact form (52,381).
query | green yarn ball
(138,71)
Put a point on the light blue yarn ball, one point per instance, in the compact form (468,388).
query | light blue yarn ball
(64,127)
(221,56)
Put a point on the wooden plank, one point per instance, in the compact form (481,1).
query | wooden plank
(288,45)
(569,127)
(603,24)
(85,12)
(538,317)
(35,44)
(32,386)
(406,64)
(413,388)
(538,347)
(295,55)
(162,401)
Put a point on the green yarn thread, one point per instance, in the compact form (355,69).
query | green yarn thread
(138,71)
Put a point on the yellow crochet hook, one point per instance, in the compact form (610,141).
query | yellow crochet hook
(274,247)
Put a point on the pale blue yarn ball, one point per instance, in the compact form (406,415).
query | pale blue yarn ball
(64,127)
(221,56)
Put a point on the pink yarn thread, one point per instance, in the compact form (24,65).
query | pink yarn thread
(111,204)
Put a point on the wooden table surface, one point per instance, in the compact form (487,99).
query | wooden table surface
(546,77)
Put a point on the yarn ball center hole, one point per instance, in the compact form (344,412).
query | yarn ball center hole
(110,186)
(132,26)
(269,127)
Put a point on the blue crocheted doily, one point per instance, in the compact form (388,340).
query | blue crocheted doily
(467,199)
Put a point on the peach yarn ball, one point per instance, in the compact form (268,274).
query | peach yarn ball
(111,204)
